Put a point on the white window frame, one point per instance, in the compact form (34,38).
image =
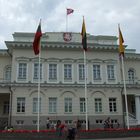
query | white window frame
(68,105)
(52,104)
(112,104)
(19,122)
(81,72)
(22,77)
(68,72)
(99,121)
(36,69)
(96,78)
(52,71)
(6,107)
(111,72)
(8,73)
(21,102)
(68,122)
(82,105)
(34,122)
(131,75)
(70,79)
(35,105)
(98,105)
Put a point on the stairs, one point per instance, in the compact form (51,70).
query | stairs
(132,120)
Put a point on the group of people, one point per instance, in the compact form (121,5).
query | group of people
(62,128)
(109,124)
(73,131)
(9,128)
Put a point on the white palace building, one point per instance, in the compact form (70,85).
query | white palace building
(62,84)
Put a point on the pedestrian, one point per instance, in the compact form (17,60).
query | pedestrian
(61,128)
(48,124)
(118,125)
(107,123)
(72,131)
(78,128)
(58,131)
(78,125)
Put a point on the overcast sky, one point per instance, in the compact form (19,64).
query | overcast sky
(101,18)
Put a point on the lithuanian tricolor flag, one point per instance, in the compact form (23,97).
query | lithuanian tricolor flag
(121,41)
(84,37)
(37,37)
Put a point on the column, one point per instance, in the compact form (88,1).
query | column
(137,104)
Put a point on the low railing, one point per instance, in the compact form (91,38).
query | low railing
(132,119)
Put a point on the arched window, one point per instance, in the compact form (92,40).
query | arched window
(131,75)
(8,73)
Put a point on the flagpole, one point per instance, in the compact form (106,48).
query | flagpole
(37,51)
(66,21)
(86,99)
(38,108)
(38,99)
(125,94)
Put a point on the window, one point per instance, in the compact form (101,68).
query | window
(52,105)
(21,105)
(52,71)
(83,122)
(114,121)
(110,72)
(8,73)
(133,106)
(99,121)
(68,122)
(54,122)
(82,105)
(20,122)
(131,76)
(67,71)
(6,107)
(68,105)
(96,72)
(81,72)
(35,122)
(22,71)
(112,105)
(35,105)
(98,105)
(36,71)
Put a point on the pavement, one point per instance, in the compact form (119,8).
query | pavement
(129,138)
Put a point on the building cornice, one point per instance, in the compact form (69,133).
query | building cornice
(53,45)
(132,56)
(4,52)
(75,85)
(72,45)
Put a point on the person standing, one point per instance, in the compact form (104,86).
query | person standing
(78,125)
(58,130)
(48,123)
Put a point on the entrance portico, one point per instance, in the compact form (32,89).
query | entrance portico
(137,103)
(4,109)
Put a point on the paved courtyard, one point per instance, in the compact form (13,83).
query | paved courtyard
(129,138)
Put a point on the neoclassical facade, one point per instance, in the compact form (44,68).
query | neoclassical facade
(62,81)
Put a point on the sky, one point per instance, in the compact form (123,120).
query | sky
(101,18)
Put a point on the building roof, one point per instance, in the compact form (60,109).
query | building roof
(51,40)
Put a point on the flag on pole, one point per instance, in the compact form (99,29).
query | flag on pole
(37,37)
(121,41)
(84,37)
(69,11)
